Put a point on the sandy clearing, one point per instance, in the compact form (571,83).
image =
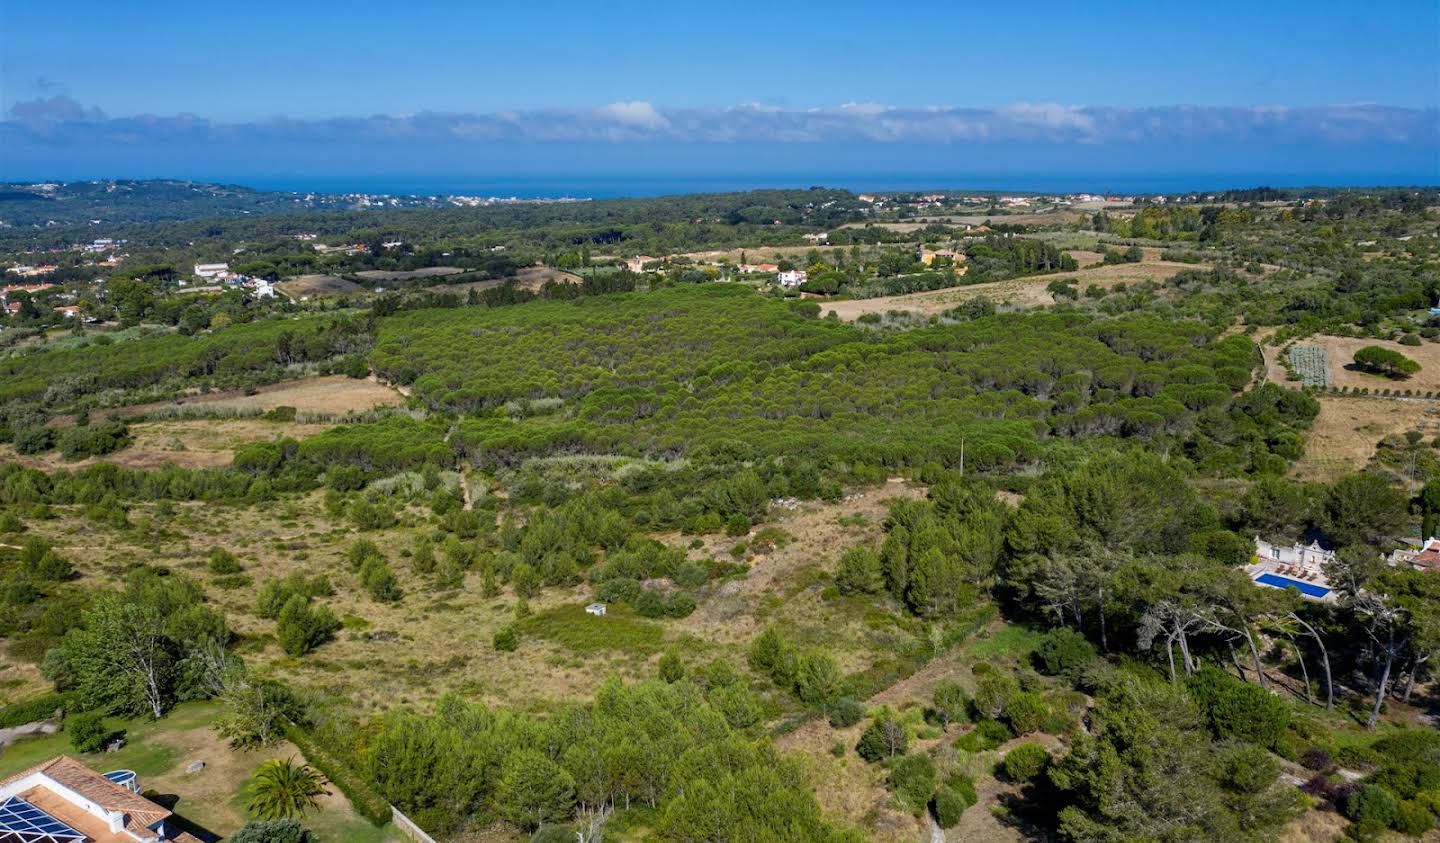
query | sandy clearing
(1024,292)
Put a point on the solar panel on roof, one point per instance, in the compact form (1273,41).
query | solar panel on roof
(32,824)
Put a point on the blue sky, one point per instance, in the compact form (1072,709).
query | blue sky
(288,89)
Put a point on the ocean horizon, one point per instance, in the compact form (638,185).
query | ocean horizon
(648,185)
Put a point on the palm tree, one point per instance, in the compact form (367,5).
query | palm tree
(283,789)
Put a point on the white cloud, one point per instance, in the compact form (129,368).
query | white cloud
(57,120)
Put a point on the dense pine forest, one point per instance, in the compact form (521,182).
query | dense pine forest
(771,516)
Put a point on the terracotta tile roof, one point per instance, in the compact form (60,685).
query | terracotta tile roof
(139,812)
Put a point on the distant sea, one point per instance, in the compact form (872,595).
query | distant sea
(614,186)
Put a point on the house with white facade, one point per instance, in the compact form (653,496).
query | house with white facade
(790,278)
(212,271)
(63,801)
(1298,566)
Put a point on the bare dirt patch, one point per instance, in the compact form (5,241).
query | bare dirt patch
(1343,437)
(327,395)
(317,286)
(1021,292)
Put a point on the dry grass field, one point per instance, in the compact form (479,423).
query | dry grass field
(331,395)
(408,274)
(211,443)
(197,443)
(1019,292)
(1344,435)
(434,641)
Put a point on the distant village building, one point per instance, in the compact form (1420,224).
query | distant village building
(68,311)
(759,267)
(1424,558)
(31,271)
(637,263)
(596,609)
(212,271)
(928,256)
(791,278)
(32,289)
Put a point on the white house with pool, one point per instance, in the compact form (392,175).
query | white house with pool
(1298,566)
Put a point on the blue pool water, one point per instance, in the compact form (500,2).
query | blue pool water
(1309,589)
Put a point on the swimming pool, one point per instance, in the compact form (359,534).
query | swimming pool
(1309,589)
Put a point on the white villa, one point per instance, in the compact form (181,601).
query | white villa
(1298,566)
(63,801)
(791,278)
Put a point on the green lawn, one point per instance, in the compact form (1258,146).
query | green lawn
(1008,642)
(620,629)
(334,826)
(145,757)
(149,757)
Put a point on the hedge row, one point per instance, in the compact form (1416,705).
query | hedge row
(368,803)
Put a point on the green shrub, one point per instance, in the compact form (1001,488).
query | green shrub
(1027,712)
(948,806)
(986,735)
(273,831)
(506,639)
(949,703)
(884,738)
(1064,652)
(87,731)
(34,440)
(301,628)
(380,581)
(846,712)
(1236,709)
(672,669)
(1372,804)
(93,440)
(223,562)
(679,605)
(913,780)
(1413,819)
(1026,761)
